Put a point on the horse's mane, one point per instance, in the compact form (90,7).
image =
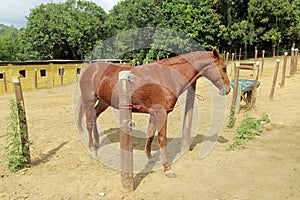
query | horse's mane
(184,58)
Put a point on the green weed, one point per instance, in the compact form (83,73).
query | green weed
(14,153)
(249,129)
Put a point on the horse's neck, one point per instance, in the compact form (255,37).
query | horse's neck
(192,65)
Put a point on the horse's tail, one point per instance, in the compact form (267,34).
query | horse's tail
(81,112)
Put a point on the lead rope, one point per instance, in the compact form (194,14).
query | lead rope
(138,107)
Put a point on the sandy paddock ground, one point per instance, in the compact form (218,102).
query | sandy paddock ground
(269,168)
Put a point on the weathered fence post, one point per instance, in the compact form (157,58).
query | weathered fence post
(126,155)
(254,91)
(188,117)
(255,54)
(227,58)
(292,64)
(235,95)
(4,82)
(262,61)
(284,69)
(61,75)
(240,54)
(274,79)
(232,64)
(22,118)
(77,74)
(238,98)
(296,60)
(35,79)
(236,85)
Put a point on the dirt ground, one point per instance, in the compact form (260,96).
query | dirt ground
(268,168)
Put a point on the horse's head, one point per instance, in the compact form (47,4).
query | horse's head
(217,73)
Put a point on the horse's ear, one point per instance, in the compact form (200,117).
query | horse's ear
(216,53)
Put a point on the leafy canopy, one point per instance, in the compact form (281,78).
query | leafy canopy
(66,31)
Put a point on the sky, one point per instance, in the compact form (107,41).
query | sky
(13,12)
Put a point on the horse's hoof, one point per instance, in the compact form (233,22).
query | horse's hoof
(167,167)
(170,174)
(97,145)
(149,156)
(93,153)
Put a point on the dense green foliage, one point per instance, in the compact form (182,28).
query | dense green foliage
(192,19)
(71,30)
(64,31)
(271,21)
(8,42)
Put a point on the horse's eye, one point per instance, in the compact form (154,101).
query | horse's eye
(224,69)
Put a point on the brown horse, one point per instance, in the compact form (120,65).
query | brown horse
(155,88)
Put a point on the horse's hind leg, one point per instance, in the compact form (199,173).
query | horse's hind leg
(90,121)
(100,107)
(150,136)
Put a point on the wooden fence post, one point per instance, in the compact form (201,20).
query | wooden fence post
(227,58)
(62,75)
(296,60)
(240,54)
(35,79)
(255,54)
(77,73)
(238,98)
(284,69)
(232,64)
(126,154)
(188,117)
(22,118)
(262,61)
(235,95)
(4,82)
(292,64)
(274,79)
(236,84)
(254,90)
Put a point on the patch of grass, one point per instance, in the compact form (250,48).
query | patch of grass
(13,150)
(249,128)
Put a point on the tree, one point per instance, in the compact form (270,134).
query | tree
(131,14)
(272,20)
(194,19)
(241,35)
(294,31)
(123,21)
(230,13)
(194,24)
(8,42)
(63,31)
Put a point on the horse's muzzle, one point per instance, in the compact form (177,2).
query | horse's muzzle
(224,90)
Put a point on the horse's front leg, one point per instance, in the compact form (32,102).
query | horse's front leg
(162,141)
(150,135)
